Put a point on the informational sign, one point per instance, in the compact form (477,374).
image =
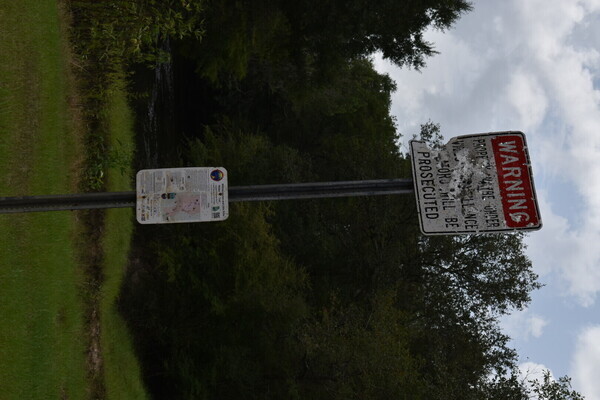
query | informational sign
(475,184)
(181,195)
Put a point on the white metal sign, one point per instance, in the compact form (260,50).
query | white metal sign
(181,195)
(475,184)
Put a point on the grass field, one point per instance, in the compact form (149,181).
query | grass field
(43,338)
(121,370)
(42,351)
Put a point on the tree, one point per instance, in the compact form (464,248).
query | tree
(551,389)
(347,29)
(359,351)
(314,37)
(511,386)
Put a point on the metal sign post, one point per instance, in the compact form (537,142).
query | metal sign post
(292,191)
(474,184)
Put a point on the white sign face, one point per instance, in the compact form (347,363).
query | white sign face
(181,195)
(475,184)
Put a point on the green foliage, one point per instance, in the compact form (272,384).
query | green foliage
(351,109)
(244,156)
(512,387)
(346,29)
(237,31)
(115,33)
(485,266)
(236,292)
(551,389)
(504,387)
(430,133)
(109,37)
(359,351)
(314,38)
(101,158)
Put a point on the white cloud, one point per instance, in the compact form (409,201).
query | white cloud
(536,325)
(568,75)
(566,251)
(524,325)
(560,73)
(551,246)
(527,96)
(586,363)
(447,85)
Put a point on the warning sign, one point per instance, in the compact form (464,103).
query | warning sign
(181,195)
(475,184)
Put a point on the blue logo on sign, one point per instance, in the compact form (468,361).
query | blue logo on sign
(217,175)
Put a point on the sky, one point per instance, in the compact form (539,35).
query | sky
(531,66)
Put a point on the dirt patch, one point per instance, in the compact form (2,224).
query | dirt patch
(89,223)
(74,100)
(91,257)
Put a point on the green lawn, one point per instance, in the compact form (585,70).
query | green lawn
(43,338)
(42,345)
(121,370)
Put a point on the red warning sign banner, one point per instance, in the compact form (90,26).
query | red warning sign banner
(514,180)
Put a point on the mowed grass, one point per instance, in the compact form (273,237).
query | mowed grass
(42,343)
(122,375)
(43,337)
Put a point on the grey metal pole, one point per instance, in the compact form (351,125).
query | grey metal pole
(236,194)
(66,202)
(320,190)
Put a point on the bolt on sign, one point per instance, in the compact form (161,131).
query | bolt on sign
(475,184)
(181,195)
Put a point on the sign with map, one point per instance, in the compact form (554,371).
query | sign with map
(475,184)
(181,195)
